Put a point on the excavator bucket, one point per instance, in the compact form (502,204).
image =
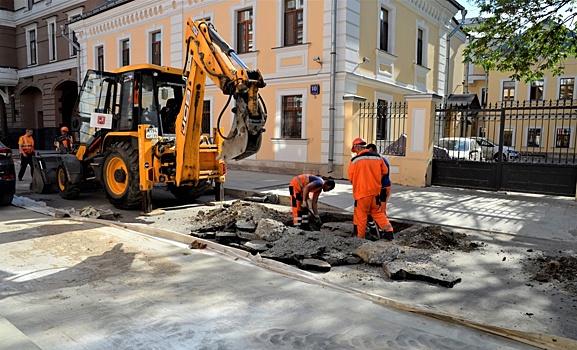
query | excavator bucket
(245,136)
(45,178)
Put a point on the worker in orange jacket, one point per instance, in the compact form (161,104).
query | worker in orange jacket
(26,149)
(301,189)
(64,143)
(365,173)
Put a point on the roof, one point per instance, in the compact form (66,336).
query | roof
(469,101)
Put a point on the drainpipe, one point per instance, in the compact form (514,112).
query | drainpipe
(332,87)
(77,47)
(467,66)
(446,92)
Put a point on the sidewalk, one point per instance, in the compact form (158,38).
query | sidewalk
(529,215)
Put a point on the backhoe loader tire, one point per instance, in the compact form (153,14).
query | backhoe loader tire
(120,176)
(67,189)
(189,193)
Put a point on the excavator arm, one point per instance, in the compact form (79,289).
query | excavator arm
(208,55)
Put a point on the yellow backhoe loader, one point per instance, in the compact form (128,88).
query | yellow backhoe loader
(141,125)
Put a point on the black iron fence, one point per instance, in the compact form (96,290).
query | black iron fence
(530,131)
(384,124)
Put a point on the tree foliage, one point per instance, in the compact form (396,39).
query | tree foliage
(524,37)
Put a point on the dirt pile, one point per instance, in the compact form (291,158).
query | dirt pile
(559,271)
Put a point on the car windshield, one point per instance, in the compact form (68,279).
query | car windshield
(454,145)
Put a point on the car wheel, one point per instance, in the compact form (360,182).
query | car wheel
(6,199)
(501,156)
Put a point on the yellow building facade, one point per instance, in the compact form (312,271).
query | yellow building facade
(315,55)
(540,115)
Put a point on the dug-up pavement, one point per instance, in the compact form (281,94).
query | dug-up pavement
(92,286)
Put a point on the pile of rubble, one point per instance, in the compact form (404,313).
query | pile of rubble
(259,229)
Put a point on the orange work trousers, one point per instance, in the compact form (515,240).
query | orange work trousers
(370,206)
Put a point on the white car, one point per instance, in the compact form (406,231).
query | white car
(462,148)
(491,150)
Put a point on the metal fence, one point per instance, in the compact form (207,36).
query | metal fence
(529,131)
(383,123)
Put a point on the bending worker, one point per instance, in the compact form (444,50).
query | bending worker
(365,173)
(301,188)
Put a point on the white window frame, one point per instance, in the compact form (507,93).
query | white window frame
(233,16)
(149,31)
(280,93)
(529,85)
(389,6)
(119,41)
(420,24)
(280,25)
(501,83)
(204,15)
(28,29)
(95,47)
(52,44)
(525,139)
(73,14)
(571,136)
(574,77)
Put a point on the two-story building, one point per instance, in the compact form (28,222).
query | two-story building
(38,67)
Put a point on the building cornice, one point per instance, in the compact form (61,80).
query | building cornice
(71,63)
(41,10)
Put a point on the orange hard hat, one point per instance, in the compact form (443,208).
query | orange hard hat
(358,141)
(64,129)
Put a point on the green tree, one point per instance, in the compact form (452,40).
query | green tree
(524,37)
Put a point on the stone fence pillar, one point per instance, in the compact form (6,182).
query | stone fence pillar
(416,169)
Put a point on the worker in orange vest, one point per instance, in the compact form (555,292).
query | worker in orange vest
(26,148)
(64,143)
(365,173)
(301,189)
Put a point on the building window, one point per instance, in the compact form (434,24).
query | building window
(534,137)
(420,47)
(293,22)
(292,114)
(562,137)
(125,52)
(484,96)
(566,88)
(382,131)
(100,58)
(384,33)
(244,31)
(32,53)
(508,137)
(52,41)
(508,91)
(156,41)
(536,93)
(205,126)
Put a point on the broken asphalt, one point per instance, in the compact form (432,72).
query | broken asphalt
(517,214)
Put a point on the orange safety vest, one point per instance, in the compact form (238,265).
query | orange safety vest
(27,143)
(300,182)
(365,173)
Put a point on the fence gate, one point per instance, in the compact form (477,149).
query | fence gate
(511,146)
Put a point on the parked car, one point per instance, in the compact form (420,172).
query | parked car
(491,150)
(463,148)
(7,175)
